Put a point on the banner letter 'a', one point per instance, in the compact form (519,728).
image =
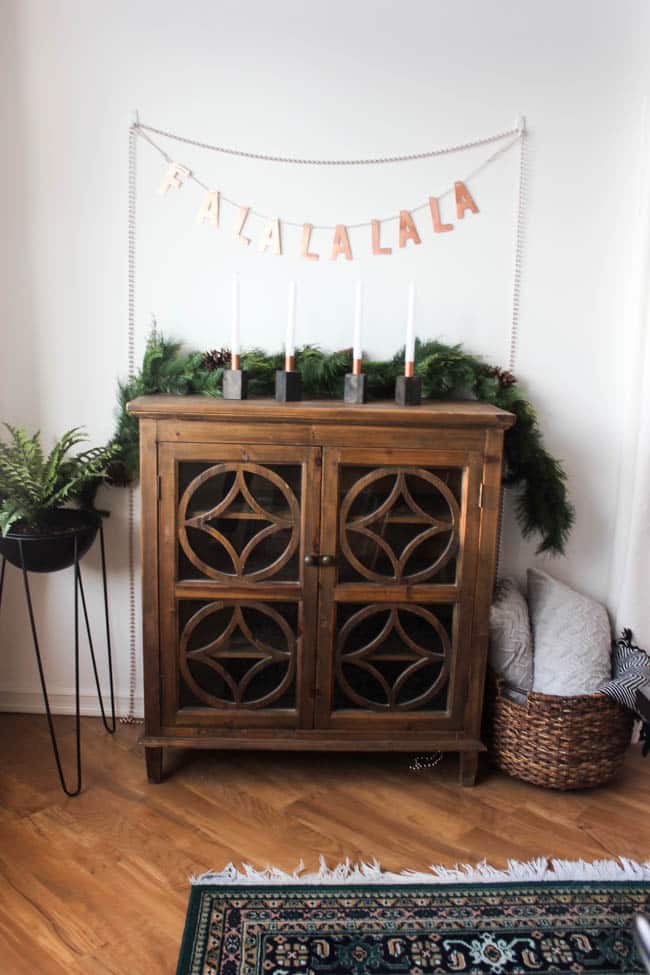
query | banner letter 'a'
(341,243)
(407,229)
(209,211)
(271,237)
(464,200)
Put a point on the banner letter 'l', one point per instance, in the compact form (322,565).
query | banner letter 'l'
(438,228)
(304,243)
(239,226)
(376,239)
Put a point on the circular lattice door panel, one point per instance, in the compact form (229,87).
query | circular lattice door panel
(239,521)
(392,658)
(238,655)
(399,525)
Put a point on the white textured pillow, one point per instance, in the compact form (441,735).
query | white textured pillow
(511,642)
(571,636)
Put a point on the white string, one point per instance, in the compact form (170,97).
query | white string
(518,249)
(352,226)
(377,161)
(131,540)
(518,258)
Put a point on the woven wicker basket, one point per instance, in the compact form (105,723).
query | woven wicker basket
(557,742)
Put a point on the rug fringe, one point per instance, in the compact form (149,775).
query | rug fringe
(540,869)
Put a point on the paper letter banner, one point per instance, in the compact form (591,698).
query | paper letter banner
(399,231)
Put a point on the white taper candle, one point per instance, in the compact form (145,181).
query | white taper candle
(235,348)
(290,344)
(357,350)
(409,351)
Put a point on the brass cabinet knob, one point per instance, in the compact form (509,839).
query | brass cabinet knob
(327,560)
(311,560)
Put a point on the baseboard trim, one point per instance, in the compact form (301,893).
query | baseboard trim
(63,702)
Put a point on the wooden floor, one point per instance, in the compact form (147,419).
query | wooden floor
(98,884)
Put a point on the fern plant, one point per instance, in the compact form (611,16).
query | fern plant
(32,485)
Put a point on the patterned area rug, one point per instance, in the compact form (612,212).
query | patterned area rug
(412,929)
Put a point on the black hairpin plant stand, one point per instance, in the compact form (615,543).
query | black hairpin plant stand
(78,542)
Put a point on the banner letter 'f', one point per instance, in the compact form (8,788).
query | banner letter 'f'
(174,178)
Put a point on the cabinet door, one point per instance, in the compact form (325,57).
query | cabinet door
(395,604)
(238,610)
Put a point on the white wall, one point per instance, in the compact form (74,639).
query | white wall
(335,79)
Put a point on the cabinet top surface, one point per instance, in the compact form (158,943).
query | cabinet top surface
(429,413)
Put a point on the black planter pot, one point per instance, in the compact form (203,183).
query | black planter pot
(51,547)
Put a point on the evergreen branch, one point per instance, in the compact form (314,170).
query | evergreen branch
(447,371)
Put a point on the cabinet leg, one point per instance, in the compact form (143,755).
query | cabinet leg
(468,768)
(154,760)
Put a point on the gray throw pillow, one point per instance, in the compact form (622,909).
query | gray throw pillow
(511,643)
(571,636)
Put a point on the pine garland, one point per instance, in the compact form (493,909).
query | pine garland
(447,372)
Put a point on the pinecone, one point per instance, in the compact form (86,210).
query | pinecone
(503,377)
(216,359)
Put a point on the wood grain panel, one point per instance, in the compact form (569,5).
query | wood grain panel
(430,413)
(428,584)
(150,562)
(238,592)
(232,430)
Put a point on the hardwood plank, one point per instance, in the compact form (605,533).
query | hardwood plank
(99,884)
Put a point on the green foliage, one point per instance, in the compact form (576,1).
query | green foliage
(447,372)
(164,370)
(31,484)
(542,504)
(323,374)
(261,371)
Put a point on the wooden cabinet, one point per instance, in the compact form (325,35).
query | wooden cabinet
(317,575)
